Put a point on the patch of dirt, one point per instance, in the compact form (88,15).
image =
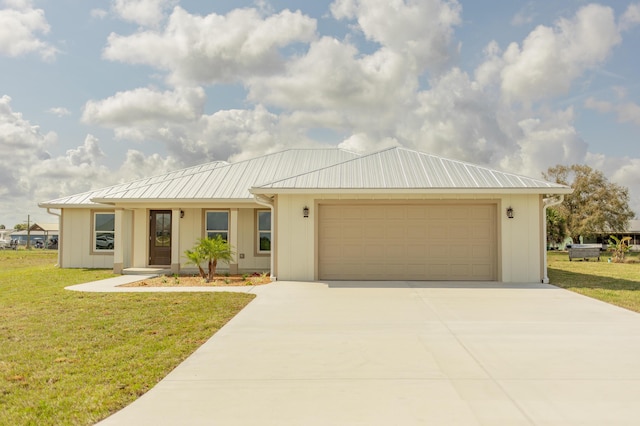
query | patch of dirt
(197,281)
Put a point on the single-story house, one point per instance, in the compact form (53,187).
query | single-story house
(320,214)
(633,231)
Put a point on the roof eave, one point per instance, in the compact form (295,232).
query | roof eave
(118,201)
(461,191)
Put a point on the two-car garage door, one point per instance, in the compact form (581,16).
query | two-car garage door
(407,242)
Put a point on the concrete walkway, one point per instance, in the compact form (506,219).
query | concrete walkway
(407,353)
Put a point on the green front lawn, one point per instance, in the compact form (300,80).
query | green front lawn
(615,283)
(74,358)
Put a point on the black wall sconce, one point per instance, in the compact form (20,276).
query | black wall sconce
(305,211)
(181,214)
(510,212)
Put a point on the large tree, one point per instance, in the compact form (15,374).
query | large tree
(20,227)
(596,205)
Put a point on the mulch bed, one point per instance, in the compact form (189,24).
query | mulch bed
(197,281)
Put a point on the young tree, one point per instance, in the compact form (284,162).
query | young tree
(210,250)
(618,247)
(595,206)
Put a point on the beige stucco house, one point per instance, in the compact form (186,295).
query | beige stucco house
(327,214)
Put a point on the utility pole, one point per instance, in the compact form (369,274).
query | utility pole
(28,232)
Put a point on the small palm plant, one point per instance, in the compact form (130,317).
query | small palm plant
(209,250)
(618,247)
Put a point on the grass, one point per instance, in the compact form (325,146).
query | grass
(615,283)
(74,358)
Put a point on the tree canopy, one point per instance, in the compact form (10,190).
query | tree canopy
(596,205)
(20,227)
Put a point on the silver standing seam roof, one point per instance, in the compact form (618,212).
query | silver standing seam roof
(212,181)
(404,169)
(310,170)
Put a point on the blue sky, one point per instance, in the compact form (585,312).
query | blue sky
(99,92)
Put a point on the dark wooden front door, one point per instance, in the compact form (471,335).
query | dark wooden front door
(160,237)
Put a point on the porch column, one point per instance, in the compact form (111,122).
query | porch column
(118,242)
(175,241)
(233,238)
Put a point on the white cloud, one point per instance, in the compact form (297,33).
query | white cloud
(333,77)
(524,16)
(420,29)
(148,13)
(214,48)
(59,111)
(550,59)
(98,13)
(545,141)
(630,18)
(145,106)
(627,112)
(601,106)
(19,24)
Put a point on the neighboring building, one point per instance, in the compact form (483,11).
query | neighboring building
(329,214)
(633,231)
(45,234)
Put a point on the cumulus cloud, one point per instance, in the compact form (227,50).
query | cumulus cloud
(421,30)
(626,112)
(145,106)
(214,48)
(148,13)
(333,77)
(20,24)
(59,111)
(550,59)
(631,17)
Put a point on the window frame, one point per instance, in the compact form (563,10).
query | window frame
(258,250)
(218,231)
(95,232)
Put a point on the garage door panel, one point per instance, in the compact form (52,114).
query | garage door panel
(407,242)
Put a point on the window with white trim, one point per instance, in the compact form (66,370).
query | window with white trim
(217,223)
(103,231)
(263,231)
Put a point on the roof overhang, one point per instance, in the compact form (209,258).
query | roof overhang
(438,191)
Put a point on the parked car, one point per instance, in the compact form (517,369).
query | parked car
(4,244)
(104,242)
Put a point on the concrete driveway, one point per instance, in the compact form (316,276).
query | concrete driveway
(407,353)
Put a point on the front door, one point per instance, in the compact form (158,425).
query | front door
(160,237)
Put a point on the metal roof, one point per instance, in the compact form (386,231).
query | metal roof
(404,169)
(212,181)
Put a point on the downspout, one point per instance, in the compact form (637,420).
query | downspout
(547,202)
(59,232)
(268,202)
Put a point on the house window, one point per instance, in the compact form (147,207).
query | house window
(217,223)
(263,231)
(104,231)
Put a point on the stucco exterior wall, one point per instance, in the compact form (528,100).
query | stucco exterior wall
(519,239)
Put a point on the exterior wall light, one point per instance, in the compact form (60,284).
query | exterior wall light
(305,211)
(181,214)
(510,212)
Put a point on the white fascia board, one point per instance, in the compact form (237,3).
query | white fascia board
(173,201)
(465,191)
(73,206)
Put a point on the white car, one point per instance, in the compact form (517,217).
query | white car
(4,244)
